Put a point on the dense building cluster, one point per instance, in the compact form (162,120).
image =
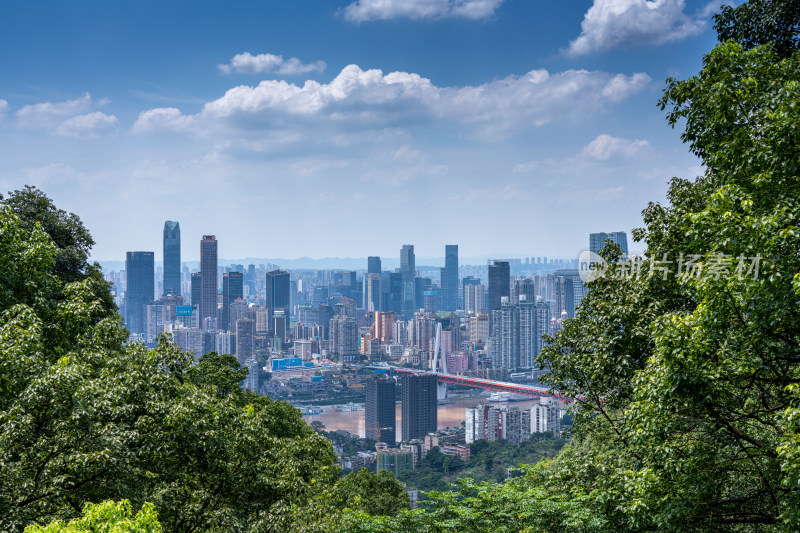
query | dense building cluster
(491,316)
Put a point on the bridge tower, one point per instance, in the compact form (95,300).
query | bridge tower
(438,355)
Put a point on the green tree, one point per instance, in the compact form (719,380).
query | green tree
(72,240)
(85,417)
(682,378)
(108,517)
(375,494)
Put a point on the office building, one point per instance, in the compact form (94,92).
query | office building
(449,282)
(208,280)
(597,241)
(140,289)
(172,258)
(245,340)
(373,290)
(499,283)
(380,409)
(195,292)
(408,271)
(232,290)
(278,295)
(419,405)
(373,265)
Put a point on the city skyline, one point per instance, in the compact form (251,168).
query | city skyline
(375,115)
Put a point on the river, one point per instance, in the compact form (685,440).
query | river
(450,414)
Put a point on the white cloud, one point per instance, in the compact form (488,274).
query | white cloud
(366,10)
(363,99)
(162,118)
(248,63)
(70,118)
(604,147)
(620,86)
(47,114)
(90,125)
(3,109)
(627,23)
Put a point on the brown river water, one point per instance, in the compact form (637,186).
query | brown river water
(450,414)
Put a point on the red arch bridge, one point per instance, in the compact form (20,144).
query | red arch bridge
(488,384)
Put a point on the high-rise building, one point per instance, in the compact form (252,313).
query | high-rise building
(383,327)
(408,271)
(475,298)
(245,339)
(380,409)
(140,271)
(569,291)
(232,289)
(516,335)
(597,241)
(343,335)
(172,258)
(546,416)
(208,280)
(278,294)
(195,293)
(499,283)
(497,422)
(373,265)
(373,289)
(419,405)
(450,279)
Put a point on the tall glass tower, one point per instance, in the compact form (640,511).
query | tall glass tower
(140,288)
(172,258)
(450,281)
(208,279)
(408,271)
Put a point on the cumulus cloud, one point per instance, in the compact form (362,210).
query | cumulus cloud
(248,63)
(88,126)
(627,23)
(604,147)
(49,113)
(372,99)
(70,118)
(367,10)
(3,109)
(162,118)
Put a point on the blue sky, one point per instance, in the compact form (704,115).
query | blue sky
(349,127)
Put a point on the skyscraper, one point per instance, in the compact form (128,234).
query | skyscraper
(245,340)
(597,240)
(419,405)
(450,279)
(278,295)
(373,289)
(196,290)
(140,271)
(380,409)
(172,258)
(208,279)
(408,271)
(373,265)
(232,288)
(499,283)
